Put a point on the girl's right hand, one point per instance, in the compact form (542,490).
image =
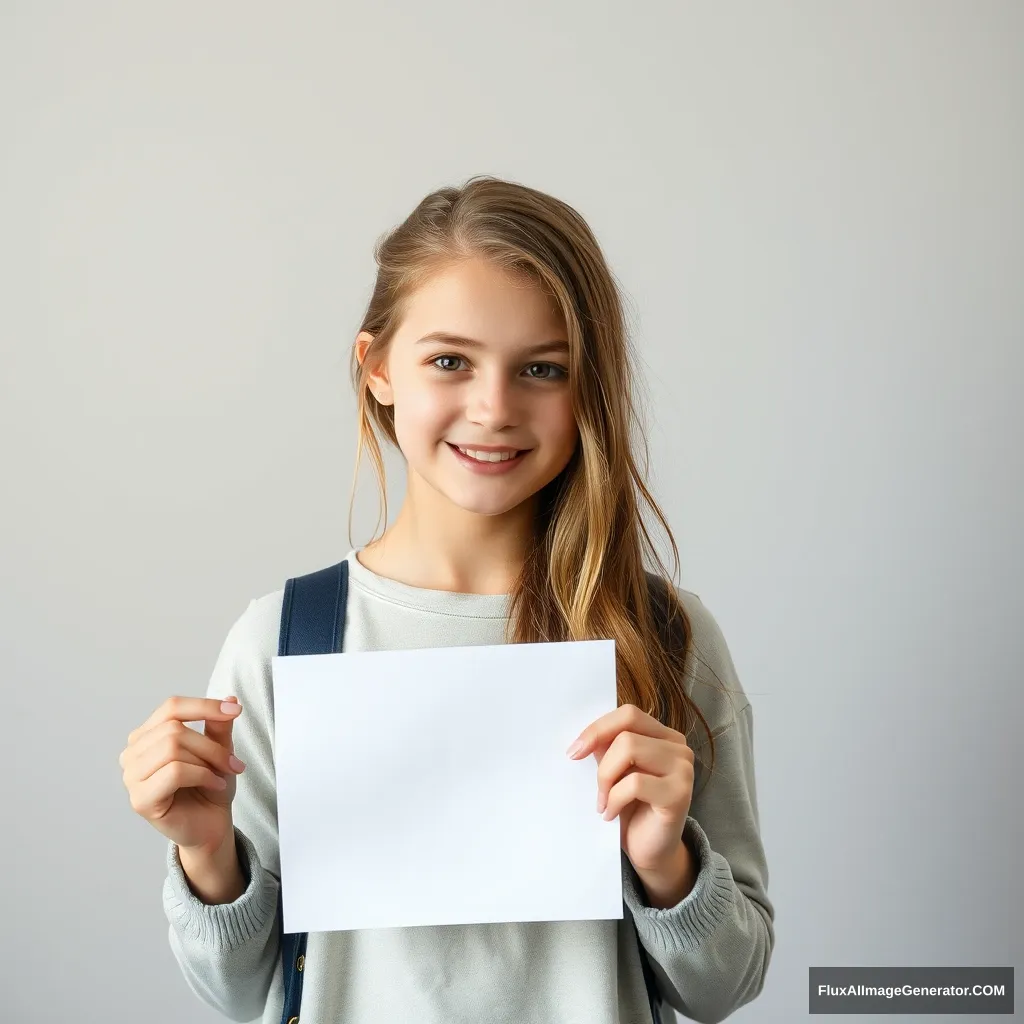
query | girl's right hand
(180,780)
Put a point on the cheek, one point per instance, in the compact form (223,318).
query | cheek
(421,413)
(562,424)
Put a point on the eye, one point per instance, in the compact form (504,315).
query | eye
(549,371)
(550,366)
(444,369)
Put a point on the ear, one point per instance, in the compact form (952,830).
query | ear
(379,384)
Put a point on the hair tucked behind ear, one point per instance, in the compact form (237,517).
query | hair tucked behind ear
(584,574)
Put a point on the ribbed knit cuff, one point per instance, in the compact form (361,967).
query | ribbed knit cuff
(693,920)
(224,926)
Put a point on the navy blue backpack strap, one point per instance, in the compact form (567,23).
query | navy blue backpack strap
(312,622)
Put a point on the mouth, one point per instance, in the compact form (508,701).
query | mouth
(489,456)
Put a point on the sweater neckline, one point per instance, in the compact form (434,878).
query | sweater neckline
(445,602)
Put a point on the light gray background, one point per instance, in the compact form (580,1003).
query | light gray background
(815,210)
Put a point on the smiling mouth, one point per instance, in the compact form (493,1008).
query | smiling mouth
(482,456)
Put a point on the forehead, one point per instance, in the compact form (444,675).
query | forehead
(479,300)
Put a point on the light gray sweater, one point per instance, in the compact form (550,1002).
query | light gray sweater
(710,952)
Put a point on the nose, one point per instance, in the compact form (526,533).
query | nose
(491,402)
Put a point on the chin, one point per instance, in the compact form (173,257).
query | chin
(480,507)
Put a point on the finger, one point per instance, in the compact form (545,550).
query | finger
(219,730)
(177,732)
(626,717)
(188,709)
(175,741)
(151,798)
(663,792)
(633,751)
(142,769)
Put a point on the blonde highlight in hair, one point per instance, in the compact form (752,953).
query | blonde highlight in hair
(583,575)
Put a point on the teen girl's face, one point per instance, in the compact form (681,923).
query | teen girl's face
(478,371)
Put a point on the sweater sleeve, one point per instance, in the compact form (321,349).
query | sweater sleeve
(710,952)
(228,953)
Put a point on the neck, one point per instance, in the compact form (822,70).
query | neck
(438,546)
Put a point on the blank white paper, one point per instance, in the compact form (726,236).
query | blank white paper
(432,787)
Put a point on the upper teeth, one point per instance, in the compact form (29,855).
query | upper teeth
(487,456)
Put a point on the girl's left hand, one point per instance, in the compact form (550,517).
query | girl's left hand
(645,776)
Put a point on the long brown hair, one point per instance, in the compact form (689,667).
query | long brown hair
(584,575)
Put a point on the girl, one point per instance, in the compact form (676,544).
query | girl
(495,356)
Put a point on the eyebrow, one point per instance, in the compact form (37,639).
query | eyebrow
(455,339)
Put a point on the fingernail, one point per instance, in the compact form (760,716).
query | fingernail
(575,748)
(230,708)
(601,802)
(236,765)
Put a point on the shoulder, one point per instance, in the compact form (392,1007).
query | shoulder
(256,630)
(250,642)
(706,634)
(711,679)
(263,616)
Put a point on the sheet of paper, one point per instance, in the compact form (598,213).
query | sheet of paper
(432,787)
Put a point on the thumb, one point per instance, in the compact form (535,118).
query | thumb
(220,732)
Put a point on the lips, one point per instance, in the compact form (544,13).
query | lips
(486,454)
(488,467)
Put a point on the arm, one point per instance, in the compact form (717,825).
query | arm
(215,877)
(668,889)
(222,909)
(710,949)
